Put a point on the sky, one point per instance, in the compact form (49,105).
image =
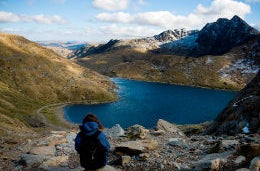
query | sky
(102,20)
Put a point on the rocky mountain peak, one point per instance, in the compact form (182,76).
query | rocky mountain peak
(220,36)
(171,35)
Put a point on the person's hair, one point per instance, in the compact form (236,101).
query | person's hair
(92,118)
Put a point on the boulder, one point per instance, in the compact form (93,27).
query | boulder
(229,144)
(212,161)
(137,131)
(168,127)
(255,164)
(44,150)
(125,160)
(136,147)
(239,160)
(250,150)
(58,161)
(32,161)
(115,132)
(144,156)
(178,142)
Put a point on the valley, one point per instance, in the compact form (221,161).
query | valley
(35,83)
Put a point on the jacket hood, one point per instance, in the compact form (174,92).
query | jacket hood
(89,128)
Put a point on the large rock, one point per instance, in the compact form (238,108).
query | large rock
(178,142)
(137,131)
(168,127)
(255,164)
(249,150)
(58,161)
(32,161)
(44,150)
(115,132)
(136,147)
(212,161)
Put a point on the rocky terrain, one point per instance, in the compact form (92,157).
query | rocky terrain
(224,54)
(242,113)
(165,147)
(33,79)
(142,45)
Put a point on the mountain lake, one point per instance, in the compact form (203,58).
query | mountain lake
(144,103)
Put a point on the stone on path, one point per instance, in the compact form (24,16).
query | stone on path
(136,147)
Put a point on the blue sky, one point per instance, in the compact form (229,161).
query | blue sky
(101,20)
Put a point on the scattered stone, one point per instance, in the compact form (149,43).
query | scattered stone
(249,150)
(126,160)
(212,161)
(255,164)
(59,132)
(168,127)
(58,161)
(177,165)
(45,150)
(178,142)
(144,156)
(240,159)
(137,131)
(243,169)
(73,161)
(229,144)
(32,161)
(162,150)
(157,132)
(115,132)
(136,147)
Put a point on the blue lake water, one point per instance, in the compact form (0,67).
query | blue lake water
(144,103)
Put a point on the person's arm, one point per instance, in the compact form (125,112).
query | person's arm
(77,142)
(104,141)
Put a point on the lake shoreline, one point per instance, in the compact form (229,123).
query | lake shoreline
(202,102)
(179,84)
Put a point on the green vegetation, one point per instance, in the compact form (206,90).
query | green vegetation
(130,63)
(32,76)
(194,129)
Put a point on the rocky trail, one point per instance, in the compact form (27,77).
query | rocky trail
(163,148)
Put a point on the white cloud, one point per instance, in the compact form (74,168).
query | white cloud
(119,17)
(111,5)
(199,17)
(6,17)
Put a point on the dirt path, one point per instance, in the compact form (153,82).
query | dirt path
(59,114)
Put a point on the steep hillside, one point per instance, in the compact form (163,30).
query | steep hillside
(176,60)
(32,76)
(242,114)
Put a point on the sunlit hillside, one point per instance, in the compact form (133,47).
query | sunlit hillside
(32,76)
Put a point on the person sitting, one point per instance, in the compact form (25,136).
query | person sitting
(92,144)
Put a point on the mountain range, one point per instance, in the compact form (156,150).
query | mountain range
(223,54)
(62,48)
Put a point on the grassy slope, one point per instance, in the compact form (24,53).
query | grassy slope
(130,63)
(32,76)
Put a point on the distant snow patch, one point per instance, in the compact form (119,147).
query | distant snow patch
(246,129)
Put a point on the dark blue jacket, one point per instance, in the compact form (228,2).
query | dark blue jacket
(90,128)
